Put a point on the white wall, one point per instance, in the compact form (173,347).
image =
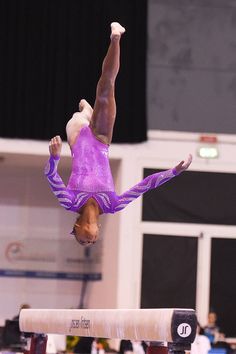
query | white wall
(28,210)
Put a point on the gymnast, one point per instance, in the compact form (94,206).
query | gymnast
(90,190)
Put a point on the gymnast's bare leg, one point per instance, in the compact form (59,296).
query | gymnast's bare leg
(78,120)
(104,113)
(73,127)
(102,118)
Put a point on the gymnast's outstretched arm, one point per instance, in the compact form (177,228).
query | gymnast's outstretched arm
(64,196)
(153,181)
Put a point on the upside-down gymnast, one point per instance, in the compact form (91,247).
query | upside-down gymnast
(90,190)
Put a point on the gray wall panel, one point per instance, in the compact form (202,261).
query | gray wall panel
(192,65)
(186,100)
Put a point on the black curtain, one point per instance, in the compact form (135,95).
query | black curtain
(169,271)
(51,56)
(193,197)
(223,284)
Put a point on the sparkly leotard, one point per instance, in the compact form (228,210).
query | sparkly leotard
(91,177)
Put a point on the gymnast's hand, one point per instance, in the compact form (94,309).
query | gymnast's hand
(55,146)
(183,165)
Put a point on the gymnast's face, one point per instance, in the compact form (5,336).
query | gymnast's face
(86,233)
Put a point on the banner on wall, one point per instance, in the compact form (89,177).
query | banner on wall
(50,259)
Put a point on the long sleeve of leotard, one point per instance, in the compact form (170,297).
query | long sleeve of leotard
(153,181)
(64,196)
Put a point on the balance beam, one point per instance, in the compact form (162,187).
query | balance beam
(165,325)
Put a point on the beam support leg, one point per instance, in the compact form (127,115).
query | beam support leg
(38,344)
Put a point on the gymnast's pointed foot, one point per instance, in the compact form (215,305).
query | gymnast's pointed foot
(85,107)
(116,30)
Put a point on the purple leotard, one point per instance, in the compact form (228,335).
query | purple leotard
(91,177)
